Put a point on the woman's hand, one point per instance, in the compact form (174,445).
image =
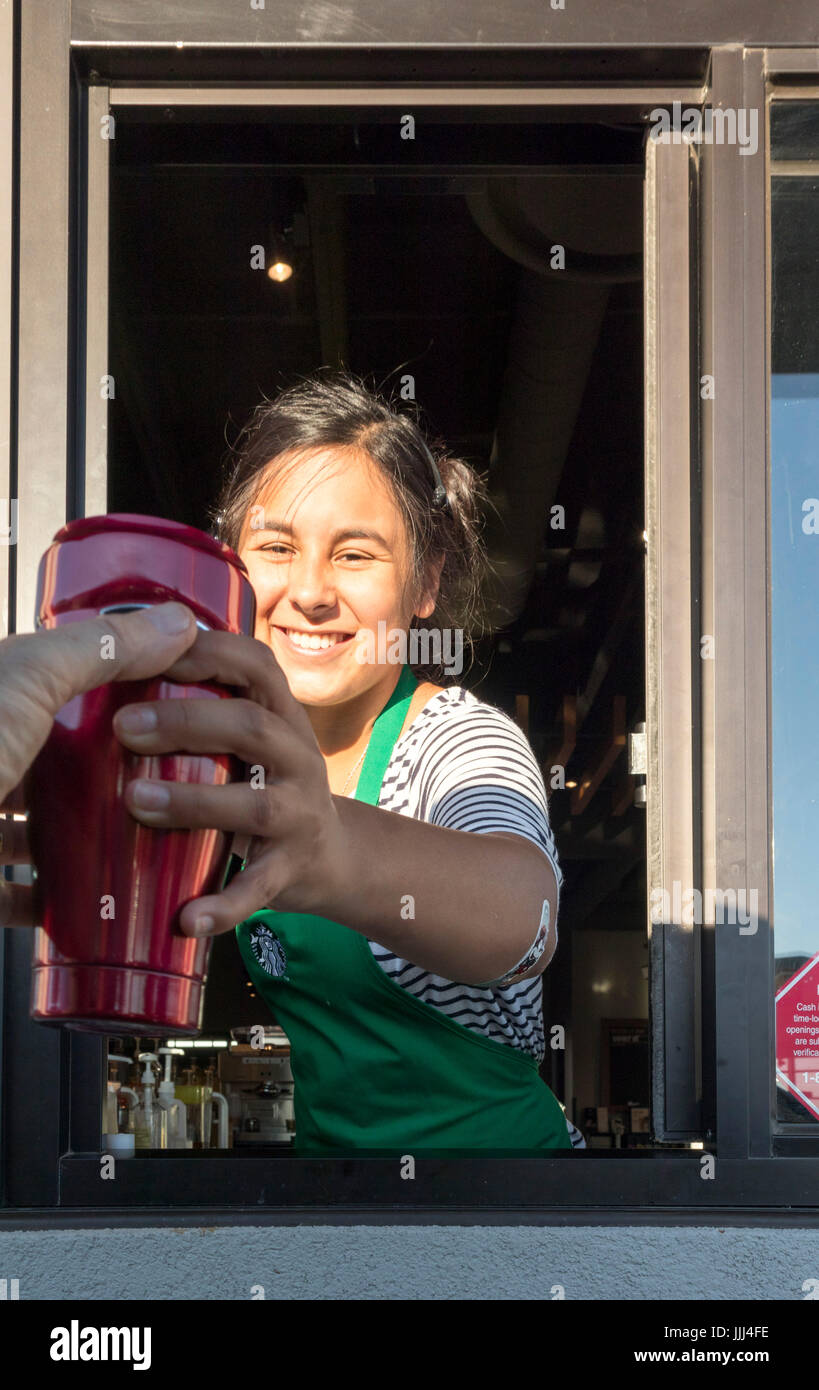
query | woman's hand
(286,806)
(39,673)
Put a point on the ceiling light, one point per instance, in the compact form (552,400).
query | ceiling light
(280,270)
(279,256)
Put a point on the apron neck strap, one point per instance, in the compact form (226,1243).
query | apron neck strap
(384,737)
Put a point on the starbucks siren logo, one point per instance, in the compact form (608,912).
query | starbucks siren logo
(268,951)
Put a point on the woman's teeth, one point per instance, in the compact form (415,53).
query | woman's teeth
(311,641)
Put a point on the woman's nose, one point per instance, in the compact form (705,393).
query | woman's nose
(310,582)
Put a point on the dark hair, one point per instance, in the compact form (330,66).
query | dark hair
(335,408)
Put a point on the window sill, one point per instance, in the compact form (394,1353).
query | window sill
(639,1180)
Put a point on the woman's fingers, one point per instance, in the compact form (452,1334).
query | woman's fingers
(13,841)
(237,806)
(16,905)
(257,735)
(229,659)
(256,885)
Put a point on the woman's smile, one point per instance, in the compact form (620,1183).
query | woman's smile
(330,559)
(311,643)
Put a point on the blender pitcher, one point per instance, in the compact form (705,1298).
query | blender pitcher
(199,1102)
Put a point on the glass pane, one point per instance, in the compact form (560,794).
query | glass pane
(795,602)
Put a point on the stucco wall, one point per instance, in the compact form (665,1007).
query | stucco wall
(402,1262)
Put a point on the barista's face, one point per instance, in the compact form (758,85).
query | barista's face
(328,556)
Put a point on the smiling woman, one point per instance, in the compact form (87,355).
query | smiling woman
(401,953)
(334,505)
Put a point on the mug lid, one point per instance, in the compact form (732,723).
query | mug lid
(148,525)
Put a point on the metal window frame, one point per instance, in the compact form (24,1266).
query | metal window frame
(52,1161)
(461,25)
(95,489)
(737,803)
(675,991)
(564,98)
(671,687)
(779,69)
(735,736)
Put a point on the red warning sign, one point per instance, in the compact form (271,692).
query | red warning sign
(797,1035)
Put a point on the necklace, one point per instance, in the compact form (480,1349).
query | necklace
(352,770)
(357,764)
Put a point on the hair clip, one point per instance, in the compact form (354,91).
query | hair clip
(439,497)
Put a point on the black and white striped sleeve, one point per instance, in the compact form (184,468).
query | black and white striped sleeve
(481,774)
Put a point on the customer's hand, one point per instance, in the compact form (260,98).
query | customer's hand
(39,673)
(296,855)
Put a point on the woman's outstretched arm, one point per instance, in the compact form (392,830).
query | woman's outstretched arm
(477,899)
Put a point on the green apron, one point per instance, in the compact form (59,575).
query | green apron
(374,1068)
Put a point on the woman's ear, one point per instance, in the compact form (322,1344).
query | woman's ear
(429,596)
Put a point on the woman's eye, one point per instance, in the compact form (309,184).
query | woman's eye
(277,549)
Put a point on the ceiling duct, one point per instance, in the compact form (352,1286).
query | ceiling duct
(555,329)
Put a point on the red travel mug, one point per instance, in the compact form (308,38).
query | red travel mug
(109,956)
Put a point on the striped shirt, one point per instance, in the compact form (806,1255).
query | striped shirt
(466,765)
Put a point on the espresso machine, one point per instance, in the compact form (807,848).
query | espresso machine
(258,1083)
